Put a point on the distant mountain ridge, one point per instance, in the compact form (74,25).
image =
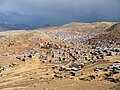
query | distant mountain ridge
(50,25)
(5,26)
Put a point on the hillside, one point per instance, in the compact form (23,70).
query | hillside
(21,40)
(112,32)
(79,32)
(47,60)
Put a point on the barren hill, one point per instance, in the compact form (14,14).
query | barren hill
(112,32)
(18,42)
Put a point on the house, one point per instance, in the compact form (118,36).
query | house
(14,63)
(116,71)
(75,69)
(117,61)
(74,73)
(6,68)
(65,68)
(98,69)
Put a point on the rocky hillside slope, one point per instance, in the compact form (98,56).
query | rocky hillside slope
(111,33)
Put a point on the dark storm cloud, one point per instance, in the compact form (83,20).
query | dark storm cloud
(37,12)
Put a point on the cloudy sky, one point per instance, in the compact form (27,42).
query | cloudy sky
(39,12)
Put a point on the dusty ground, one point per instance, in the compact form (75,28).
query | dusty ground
(61,85)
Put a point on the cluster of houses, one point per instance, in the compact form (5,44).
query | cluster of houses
(115,68)
(110,71)
(7,67)
(72,36)
(74,58)
(70,57)
(26,55)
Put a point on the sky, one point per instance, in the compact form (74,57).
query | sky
(40,12)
